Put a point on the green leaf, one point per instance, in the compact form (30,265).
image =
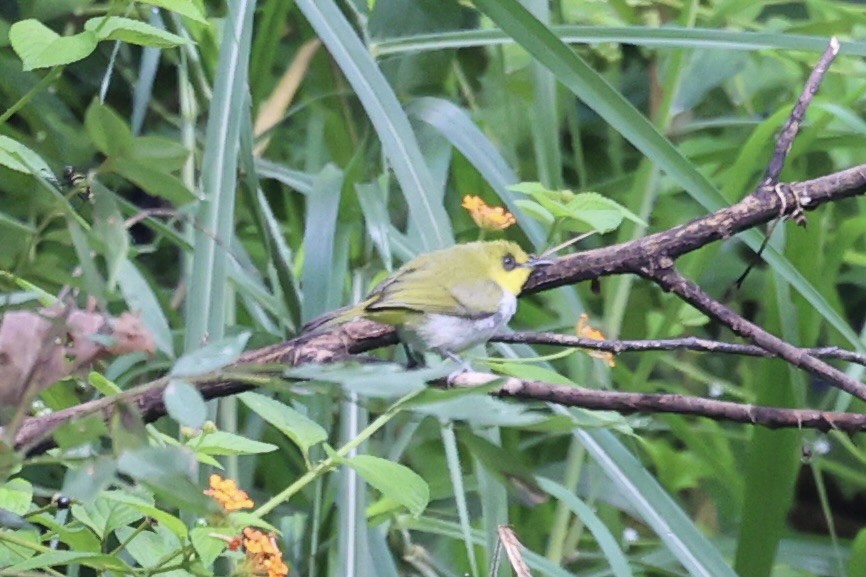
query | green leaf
(19,158)
(393,480)
(577,209)
(85,483)
(16,495)
(132,32)
(211,357)
(320,230)
(140,297)
(303,431)
(104,515)
(108,131)
(150,547)
(56,558)
(223,443)
(184,403)
(40,47)
(206,545)
(152,179)
(186,8)
(109,228)
(147,508)
(606,541)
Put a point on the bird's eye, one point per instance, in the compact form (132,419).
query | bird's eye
(508,262)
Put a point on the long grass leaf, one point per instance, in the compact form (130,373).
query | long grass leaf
(205,304)
(665,37)
(656,507)
(388,118)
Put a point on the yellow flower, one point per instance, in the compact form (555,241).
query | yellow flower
(228,495)
(489,218)
(586,331)
(264,558)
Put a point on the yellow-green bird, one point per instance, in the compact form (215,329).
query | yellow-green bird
(447,300)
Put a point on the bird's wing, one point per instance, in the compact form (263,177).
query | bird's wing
(421,290)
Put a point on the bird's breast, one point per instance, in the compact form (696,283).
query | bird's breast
(455,333)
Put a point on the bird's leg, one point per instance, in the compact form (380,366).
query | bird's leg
(413,360)
(465,367)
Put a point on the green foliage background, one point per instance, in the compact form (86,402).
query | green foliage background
(668,108)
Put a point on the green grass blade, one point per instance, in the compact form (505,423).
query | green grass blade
(656,507)
(388,118)
(665,37)
(206,302)
(319,278)
(465,136)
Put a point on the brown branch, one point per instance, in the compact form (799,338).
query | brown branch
(663,274)
(651,256)
(792,126)
(626,403)
(618,346)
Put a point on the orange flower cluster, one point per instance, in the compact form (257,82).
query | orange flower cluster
(586,331)
(263,555)
(228,495)
(489,218)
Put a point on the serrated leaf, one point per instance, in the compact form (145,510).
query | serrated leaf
(104,515)
(211,357)
(303,431)
(535,210)
(223,443)
(40,47)
(184,403)
(132,32)
(393,480)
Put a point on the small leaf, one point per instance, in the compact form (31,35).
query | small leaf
(186,8)
(139,296)
(132,32)
(40,47)
(184,404)
(303,431)
(19,158)
(108,131)
(167,520)
(222,443)
(394,481)
(211,357)
(206,545)
(16,495)
(151,179)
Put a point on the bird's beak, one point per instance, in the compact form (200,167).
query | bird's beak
(534,261)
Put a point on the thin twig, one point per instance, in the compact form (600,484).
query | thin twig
(663,274)
(681,344)
(792,126)
(627,403)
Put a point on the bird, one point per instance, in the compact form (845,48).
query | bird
(447,300)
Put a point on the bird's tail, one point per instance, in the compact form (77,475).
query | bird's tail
(333,318)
